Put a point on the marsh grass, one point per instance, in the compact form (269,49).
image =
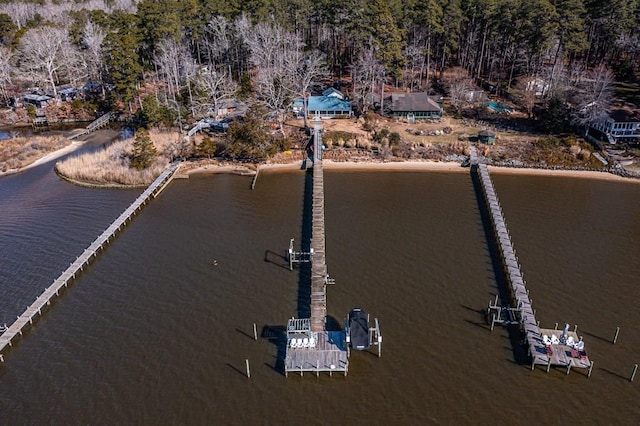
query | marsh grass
(112,165)
(17,153)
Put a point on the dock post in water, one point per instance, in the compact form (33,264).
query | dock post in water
(255,178)
(255,332)
(633,373)
(615,337)
(248,370)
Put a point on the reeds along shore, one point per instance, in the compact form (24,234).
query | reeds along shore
(111,166)
(18,153)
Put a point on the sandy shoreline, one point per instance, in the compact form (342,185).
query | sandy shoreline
(49,157)
(410,166)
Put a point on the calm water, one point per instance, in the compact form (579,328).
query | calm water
(153,333)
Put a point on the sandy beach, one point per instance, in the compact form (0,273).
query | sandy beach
(406,166)
(50,156)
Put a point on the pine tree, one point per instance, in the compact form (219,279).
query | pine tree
(144,151)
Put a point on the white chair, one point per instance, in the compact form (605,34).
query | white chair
(546,340)
(312,342)
(293,342)
(554,339)
(305,342)
(571,341)
(580,346)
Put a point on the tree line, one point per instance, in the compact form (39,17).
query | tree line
(198,53)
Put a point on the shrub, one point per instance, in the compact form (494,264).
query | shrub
(394,138)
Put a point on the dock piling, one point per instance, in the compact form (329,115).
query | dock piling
(590,368)
(633,373)
(615,337)
(255,332)
(248,370)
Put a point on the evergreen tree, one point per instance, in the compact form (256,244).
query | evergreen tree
(121,55)
(144,152)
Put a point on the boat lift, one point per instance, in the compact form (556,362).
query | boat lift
(506,315)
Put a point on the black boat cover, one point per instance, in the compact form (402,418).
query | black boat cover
(359,329)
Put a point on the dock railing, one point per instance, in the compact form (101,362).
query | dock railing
(35,309)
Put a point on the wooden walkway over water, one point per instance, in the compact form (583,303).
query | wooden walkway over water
(322,350)
(36,308)
(98,123)
(541,354)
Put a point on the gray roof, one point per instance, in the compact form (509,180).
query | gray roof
(411,102)
(487,133)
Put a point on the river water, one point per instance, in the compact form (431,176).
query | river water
(154,333)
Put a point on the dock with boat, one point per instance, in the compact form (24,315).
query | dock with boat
(545,347)
(311,347)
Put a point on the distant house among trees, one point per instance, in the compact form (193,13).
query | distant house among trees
(39,101)
(620,125)
(416,106)
(332,104)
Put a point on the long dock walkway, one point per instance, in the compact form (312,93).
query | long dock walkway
(541,353)
(310,346)
(35,309)
(318,264)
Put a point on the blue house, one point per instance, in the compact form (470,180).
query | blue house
(330,105)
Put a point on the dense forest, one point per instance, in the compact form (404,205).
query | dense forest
(194,54)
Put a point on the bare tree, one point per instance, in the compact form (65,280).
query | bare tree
(274,53)
(177,70)
(19,12)
(43,53)
(217,39)
(5,71)
(459,86)
(367,72)
(92,41)
(305,70)
(593,97)
(212,89)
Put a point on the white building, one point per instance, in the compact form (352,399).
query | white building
(620,125)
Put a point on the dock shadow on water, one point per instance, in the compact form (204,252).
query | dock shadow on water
(277,335)
(516,336)
(304,268)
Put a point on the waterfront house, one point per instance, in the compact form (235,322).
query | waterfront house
(39,101)
(416,106)
(621,125)
(331,104)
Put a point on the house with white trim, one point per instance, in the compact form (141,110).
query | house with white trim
(619,126)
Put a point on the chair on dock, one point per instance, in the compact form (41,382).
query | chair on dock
(305,342)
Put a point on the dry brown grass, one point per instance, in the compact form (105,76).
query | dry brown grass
(17,153)
(112,165)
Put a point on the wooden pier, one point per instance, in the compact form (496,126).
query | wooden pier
(100,122)
(35,310)
(310,347)
(520,311)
